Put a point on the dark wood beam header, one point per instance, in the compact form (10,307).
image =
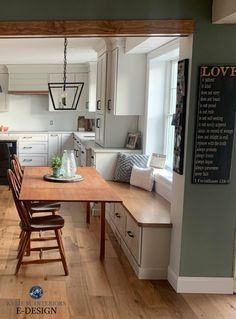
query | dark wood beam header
(96,28)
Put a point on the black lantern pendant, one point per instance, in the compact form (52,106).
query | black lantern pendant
(65,95)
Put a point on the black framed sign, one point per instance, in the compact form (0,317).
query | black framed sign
(179,117)
(214,131)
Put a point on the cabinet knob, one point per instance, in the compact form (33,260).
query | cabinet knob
(109,105)
(98,104)
(130,234)
(117,215)
(98,123)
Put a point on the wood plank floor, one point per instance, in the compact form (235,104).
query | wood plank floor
(93,289)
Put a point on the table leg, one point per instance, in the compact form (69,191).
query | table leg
(102,240)
(88,213)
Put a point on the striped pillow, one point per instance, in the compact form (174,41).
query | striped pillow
(125,163)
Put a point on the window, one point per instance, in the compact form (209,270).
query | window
(161,101)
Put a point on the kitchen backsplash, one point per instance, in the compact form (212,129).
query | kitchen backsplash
(30,112)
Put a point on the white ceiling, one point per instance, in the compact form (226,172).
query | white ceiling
(51,51)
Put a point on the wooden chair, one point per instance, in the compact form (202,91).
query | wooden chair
(29,224)
(35,207)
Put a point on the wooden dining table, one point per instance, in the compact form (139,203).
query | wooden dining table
(93,188)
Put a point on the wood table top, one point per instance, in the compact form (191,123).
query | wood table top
(92,189)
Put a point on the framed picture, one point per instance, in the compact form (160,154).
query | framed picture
(178,119)
(132,140)
(158,160)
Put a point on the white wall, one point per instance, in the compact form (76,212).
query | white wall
(30,112)
(178,185)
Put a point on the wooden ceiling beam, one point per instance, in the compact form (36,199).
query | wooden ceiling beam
(96,28)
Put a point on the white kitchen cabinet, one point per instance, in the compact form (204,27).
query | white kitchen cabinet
(58,142)
(146,246)
(111,130)
(126,89)
(84,97)
(99,130)
(33,160)
(133,237)
(91,94)
(28,82)
(101,83)
(33,149)
(54,145)
(67,142)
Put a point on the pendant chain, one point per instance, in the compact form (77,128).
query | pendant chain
(65,60)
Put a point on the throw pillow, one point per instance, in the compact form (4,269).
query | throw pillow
(142,177)
(125,163)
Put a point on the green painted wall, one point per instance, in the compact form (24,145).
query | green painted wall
(102,9)
(209,211)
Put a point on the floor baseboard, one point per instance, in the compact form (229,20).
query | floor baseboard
(213,285)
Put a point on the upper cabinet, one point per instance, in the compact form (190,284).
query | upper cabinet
(27,79)
(92,83)
(126,85)
(3,88)
(101,83)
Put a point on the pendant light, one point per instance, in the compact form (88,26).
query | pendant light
(65,95)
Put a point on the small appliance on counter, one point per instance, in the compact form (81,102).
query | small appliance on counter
(84,124)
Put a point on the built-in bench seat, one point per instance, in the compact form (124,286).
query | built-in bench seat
(146,208)
(142,227)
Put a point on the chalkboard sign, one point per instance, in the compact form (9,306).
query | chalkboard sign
(215,125)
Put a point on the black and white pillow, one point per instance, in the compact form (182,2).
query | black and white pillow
(125,163)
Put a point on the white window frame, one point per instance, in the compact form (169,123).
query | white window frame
(163,54)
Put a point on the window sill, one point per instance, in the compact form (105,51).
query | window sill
(163,183)
(164,174)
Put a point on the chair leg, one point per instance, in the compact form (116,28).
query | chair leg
(21,242)
(62,252)
(22,251)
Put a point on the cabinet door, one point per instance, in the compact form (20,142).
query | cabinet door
(99,130)
(133,237)
(111,103)
(33,160)
(57,92)
(92,86)
(67,142)
(120,219)
(101,83)
(54,145)
(83,101)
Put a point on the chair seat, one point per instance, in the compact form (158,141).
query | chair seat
(41,207)
(44,223)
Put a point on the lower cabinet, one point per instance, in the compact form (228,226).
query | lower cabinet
(33,160)
(58,142)
(33,149)
(146,247)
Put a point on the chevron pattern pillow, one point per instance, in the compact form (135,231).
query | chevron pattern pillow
(125,163)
